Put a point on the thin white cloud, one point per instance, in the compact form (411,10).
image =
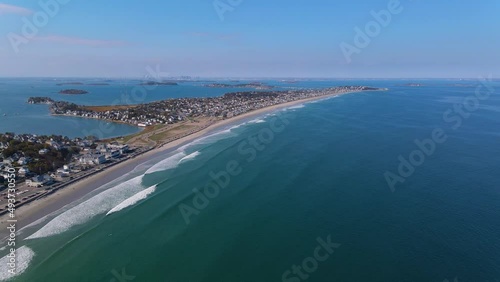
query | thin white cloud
(11,9)
(216,36)
(79,41)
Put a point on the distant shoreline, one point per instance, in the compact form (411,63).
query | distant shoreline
(67,194)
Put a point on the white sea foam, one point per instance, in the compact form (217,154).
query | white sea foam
(133,200)
(237,126)
(83,212)
(257,121)
(190,157)
(168,163)
(24,255)
(214,137)
(296,107)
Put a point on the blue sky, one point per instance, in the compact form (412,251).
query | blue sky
(253,38)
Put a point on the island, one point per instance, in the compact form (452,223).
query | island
(413,85)
(98,84)
(155,83)
(73,92)
(253,85)
(40,100)
(69,83)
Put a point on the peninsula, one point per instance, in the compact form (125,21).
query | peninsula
(66,169)
(180,109)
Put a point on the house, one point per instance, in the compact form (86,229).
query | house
(23,171)
(84,143)
(23,161)
(54,144)
(43,151)
(92,159)
(99,159)
(36,181)
(101,148)
(112,154)
(63,172)
(40,180)
(8,161)
(58,176)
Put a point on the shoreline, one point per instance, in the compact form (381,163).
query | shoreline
(40,208)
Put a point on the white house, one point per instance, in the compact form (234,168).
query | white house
(4,145)
(112,154)
(63,172)
(43,151)
(23,161)
(92,159)
(24,170)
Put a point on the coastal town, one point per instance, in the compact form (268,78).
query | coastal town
(45,164)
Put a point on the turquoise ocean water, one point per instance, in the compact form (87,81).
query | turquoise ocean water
(314,175)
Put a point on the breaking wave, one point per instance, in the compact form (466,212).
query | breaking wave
(190,157)
(296,107)
(168,163)
(83,212)
(133,200)
(24,255)
(213,137)
(257,121)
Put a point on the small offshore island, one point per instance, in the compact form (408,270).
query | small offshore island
(155,83)
(253,85)
(73,92)
(40,100)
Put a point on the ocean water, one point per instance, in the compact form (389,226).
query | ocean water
(222,209)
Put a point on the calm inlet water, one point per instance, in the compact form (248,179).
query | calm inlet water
(320,177)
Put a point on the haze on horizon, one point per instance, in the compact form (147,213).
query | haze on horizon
(222,38)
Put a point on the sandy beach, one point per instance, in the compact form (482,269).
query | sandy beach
(38,209)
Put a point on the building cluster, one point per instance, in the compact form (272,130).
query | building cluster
(174,110)
(30,149)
